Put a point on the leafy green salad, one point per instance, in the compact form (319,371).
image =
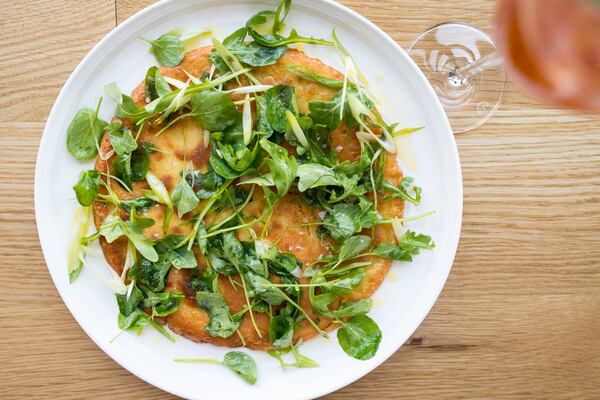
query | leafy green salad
(245,195)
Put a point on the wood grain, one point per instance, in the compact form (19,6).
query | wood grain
(518,317)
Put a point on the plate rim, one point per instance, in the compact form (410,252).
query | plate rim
(432,296)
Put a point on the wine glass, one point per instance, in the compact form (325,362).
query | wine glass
(550,48)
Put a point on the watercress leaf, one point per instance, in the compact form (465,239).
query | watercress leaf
(232,249)
(213,110)
(201,238)
(121,165)
(162,304)
(282,166)
(151,274)
(128,109)
(264,290)
(170,251)
(360,337)
(112,90)
(184,197)
(220,322)
(345,283)
(135,321)
(121,139)
(278,100)
(129,301)
(86,189)
(314,175)
(353,246)
(281,331)
(256,55)
(168,50)
(242,365)
(262,117)
(84,133)
(353,308)
(114,227)
(392,252)
(155,84)
(221,265)
(239,159)
(282,261)
(340,225)
(206,281)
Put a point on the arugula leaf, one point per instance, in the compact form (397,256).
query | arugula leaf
(121,139)
(360,337)
(184,197)
(114,227)
(281,331)
(277,100)
(410,245)
(406,186)
(282,166)
(129,301)
(155,85)
(168,49)
(86,189)
(84,133)
(314,175)
(308,74)
(221,323)
(327,113)
(213,110)
(242,365)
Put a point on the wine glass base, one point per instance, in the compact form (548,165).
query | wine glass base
(440,52)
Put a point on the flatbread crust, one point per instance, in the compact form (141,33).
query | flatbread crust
(183,143)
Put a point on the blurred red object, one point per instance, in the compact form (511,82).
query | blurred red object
(552,49)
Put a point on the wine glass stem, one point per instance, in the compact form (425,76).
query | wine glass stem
(484,63)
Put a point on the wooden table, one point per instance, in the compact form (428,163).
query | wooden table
(519,316)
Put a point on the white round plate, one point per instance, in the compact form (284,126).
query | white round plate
(403,300)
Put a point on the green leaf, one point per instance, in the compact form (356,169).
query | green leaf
(184,197)
(404,190)
(162,304)
(410,245)
(281,331)
(213,110)
(327,113)
(264,290)
(112,90)
(314,175)
(151,274)
(84,134)
(353,246)
(121,165)
(277,40)
(252,53)
(114,227)
(135,321)
(308,74)
(360,337)
(242,365)
(345,219)
(121,139)
(170,251)
(221,324)
(86,189)
(347,282)
(282,166)
(155,85)
(127,108)
(282,261)
(141,204)
(353,308)
(278,100)
(129,301)
(168,50)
